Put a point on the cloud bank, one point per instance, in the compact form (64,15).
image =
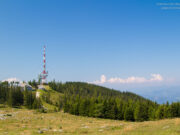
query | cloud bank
(9,80)
(132,79)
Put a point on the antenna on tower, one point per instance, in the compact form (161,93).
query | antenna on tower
(43,76)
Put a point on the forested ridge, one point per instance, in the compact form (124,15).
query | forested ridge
(89,100)
(95,101)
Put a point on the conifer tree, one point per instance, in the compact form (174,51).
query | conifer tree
(128,114)
(141,112)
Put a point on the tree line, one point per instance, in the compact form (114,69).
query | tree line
(94,101)
(90,100)
(14,96)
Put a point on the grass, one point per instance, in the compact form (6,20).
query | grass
(29,122)
(54,97)
(15,121)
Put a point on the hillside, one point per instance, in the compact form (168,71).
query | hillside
(49,98)
(95,101)
(91,90)
(56,92)
(83,99)
(29,122)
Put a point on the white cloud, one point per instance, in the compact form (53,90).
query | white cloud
(12,80)
(132,79)
(102,80)
(128,80)
(156,77)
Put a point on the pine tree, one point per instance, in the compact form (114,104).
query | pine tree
(151,113)
(97,111)
(128,114)
(160,112)
(120,114)
(10,98)
(141,112)
(37,104)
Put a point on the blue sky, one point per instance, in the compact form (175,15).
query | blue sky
(86,39)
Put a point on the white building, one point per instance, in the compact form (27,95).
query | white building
(41,87)
(25,86)
(17,83)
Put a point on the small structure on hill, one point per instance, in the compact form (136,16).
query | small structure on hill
(17,83)
(25,86)
(41,87)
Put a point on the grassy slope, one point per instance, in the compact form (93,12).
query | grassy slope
(28,122)
(54,96)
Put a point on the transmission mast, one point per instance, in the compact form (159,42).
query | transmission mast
(43,76)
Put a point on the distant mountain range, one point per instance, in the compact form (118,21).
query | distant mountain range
(160,94)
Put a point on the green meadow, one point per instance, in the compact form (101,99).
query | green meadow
(30,122)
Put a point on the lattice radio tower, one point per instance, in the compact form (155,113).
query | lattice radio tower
(43,76)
